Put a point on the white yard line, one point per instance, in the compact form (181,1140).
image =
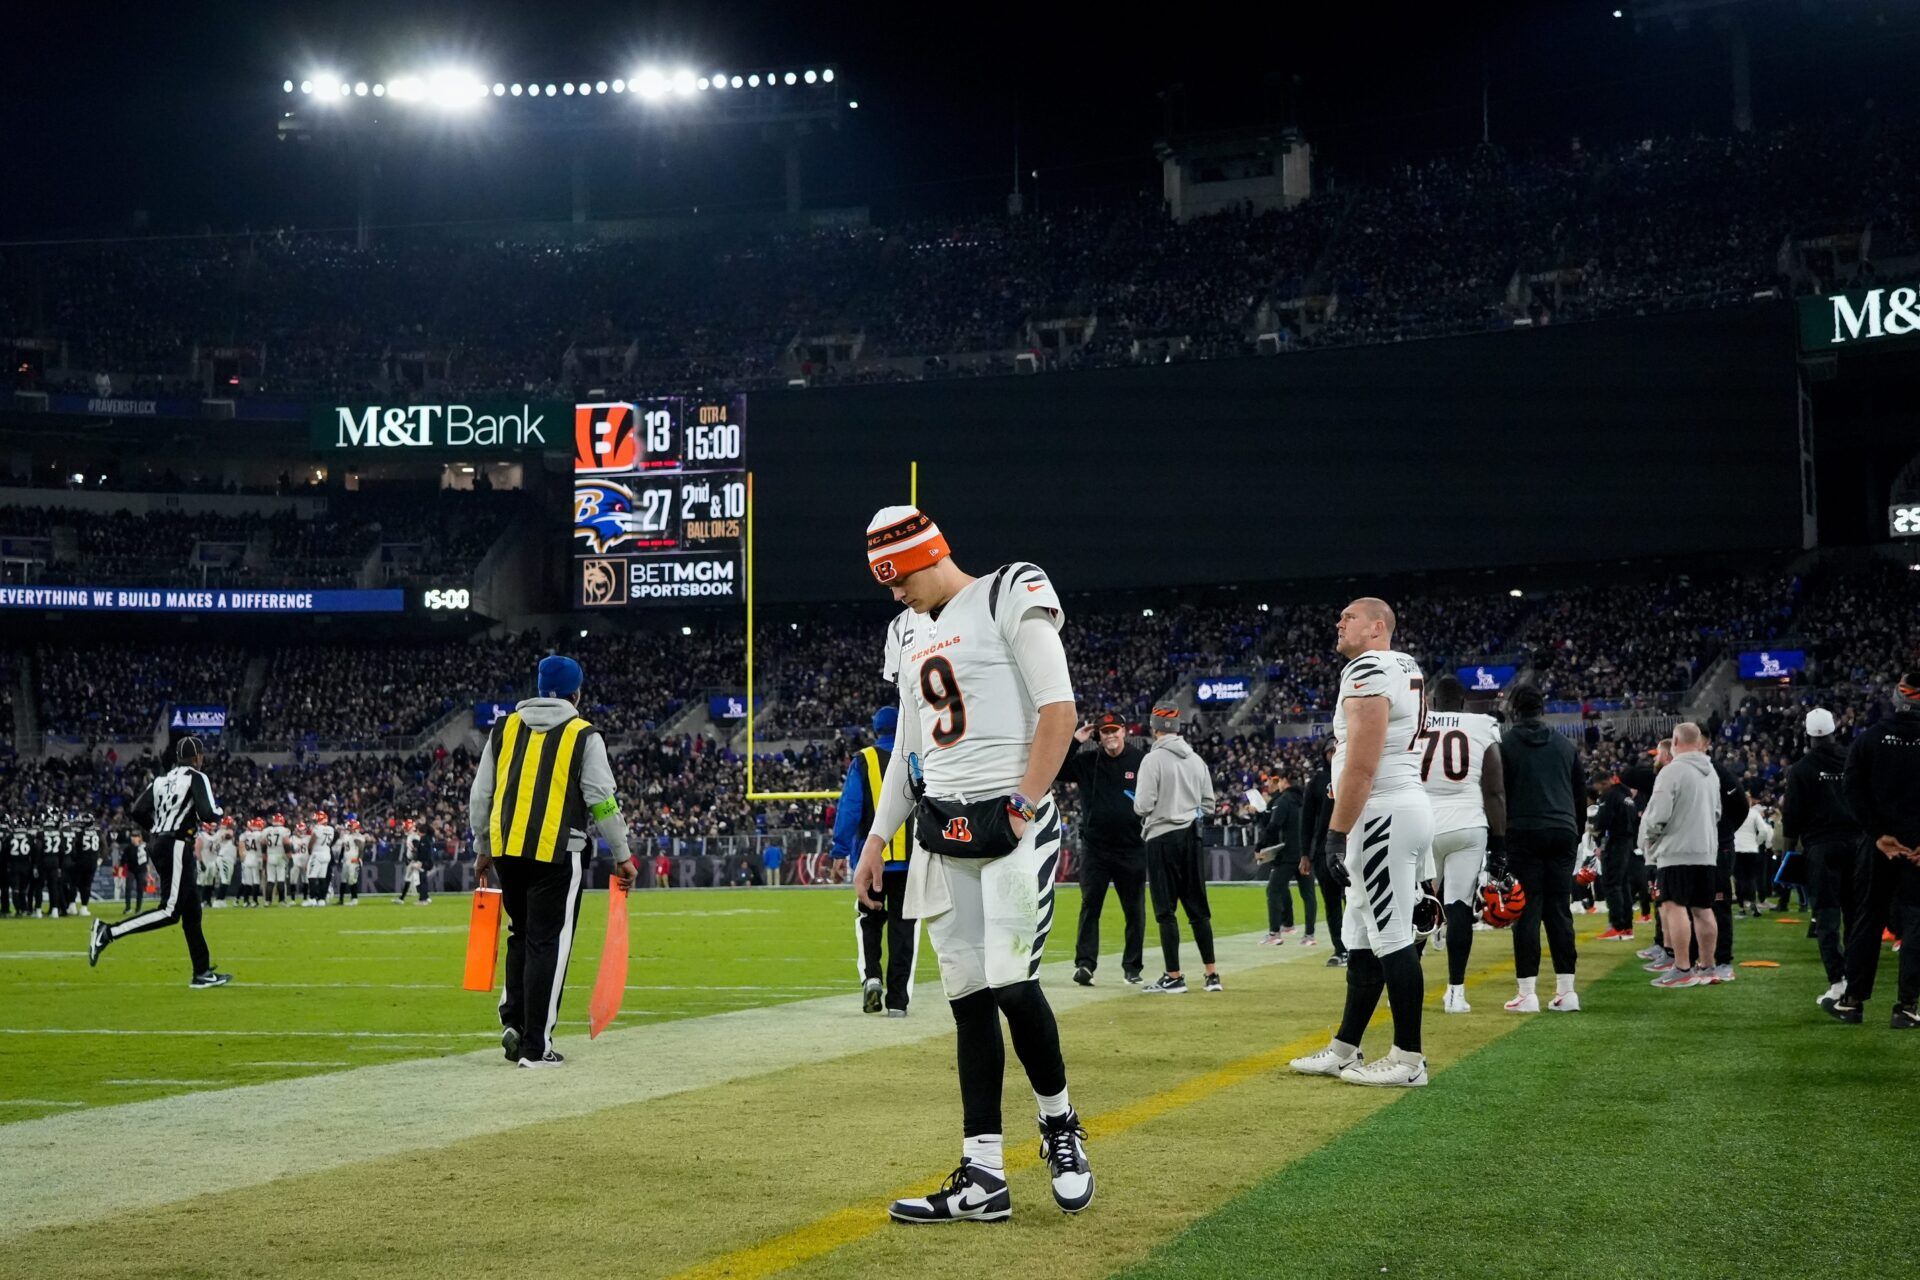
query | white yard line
(67,1168)
(38,1102)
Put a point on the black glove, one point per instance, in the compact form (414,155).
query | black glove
(1337,858)
(1496,856)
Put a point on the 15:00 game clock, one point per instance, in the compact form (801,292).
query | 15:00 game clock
(659,501)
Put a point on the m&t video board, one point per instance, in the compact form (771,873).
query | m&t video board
(659,501)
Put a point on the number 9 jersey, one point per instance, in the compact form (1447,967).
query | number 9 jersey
(958,673)
(1389,674)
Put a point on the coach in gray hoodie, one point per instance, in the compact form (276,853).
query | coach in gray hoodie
(1682,832)
(1172,794)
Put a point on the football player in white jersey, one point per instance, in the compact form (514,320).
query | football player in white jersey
(297,845)
(1378,835)
(320,858)
(226,853)
(986,719)
(352,846)
(250,854)
(1460,768)
(274,839)
(203,857)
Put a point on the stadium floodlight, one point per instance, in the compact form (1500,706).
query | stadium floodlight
(306,86)
(599,86)
(499,90)
(287,86)
(454,89)
(406,89)
(753,82)
(649,83)
(585,88)
(346,90)
(702,84)
(853,106)
(359,88)
(551,91)
(736,82)
(379,90)
(516,90)
(790,78)
(719,79)
(619,86)
(811,76)
(683,82)
(827,75)
(569,88)
(326,84)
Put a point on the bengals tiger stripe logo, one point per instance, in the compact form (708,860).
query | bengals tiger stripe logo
(957,831)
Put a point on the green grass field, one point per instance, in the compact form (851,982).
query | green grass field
(743,1118)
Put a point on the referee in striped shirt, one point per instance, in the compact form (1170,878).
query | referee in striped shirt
(542,787)
(171,808)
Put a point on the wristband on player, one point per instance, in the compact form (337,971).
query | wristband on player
(1021,807)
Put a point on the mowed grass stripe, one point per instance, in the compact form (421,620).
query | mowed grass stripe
(1730,1130)
(820,1243)
(652,1186)
(687,947)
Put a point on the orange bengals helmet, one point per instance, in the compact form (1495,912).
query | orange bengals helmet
(1502,901)
(256,824)
(227,821)
(279,819)
(1589,869)
(319,815)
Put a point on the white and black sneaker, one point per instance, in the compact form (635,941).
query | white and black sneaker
(210,979)
(1330,1061)
(510,1043)
(1165,985)
(871,997)
(1394,1071)
(971,1193)
(547,1059)
(1338,960)
(1213,983)
(1063,1146)
(98,942)
(1083,976)
(1133,979)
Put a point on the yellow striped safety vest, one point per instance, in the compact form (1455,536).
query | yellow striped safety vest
(536,787)
(898,847)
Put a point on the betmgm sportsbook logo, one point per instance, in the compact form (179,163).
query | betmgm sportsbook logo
(430,426)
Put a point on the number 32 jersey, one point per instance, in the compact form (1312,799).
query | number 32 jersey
(957,674)
(1389,674)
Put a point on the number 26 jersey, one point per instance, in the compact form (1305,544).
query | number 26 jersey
(957,674)
(1389,674)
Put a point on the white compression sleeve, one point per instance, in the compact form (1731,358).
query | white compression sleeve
(1042,660)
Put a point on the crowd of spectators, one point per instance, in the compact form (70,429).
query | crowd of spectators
(118,690)
(428,535)
(365,695)
(1444,244)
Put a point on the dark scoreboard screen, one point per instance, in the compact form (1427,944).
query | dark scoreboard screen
(659,501)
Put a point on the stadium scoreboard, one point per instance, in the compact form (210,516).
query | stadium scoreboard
(659,502)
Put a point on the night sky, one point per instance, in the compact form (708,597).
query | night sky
(109,109)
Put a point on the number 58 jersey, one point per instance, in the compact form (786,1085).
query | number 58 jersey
(1453,750)
(957,675)
(1394,676)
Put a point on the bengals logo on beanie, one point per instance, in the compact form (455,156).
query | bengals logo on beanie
(903,540)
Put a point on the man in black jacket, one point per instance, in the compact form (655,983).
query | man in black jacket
(1615,825)
(1733,812)
(1546,804)
(1111,850)
(1316,807)
(1281,852)
(1883,791)
(1815,819)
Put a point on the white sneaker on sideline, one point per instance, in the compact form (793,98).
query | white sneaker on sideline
(1328,1062)
(1455,1002)
(1564,1002)
(1389,1072)
(1528,1003)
